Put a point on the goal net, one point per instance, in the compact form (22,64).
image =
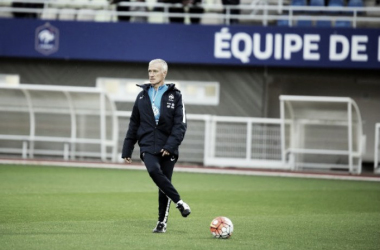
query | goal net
(321,133)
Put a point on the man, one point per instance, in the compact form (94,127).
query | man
(121,9)
(24,5)
(158,123)
(194,8)
(232,11)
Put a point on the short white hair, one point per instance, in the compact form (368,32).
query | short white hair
(162,62)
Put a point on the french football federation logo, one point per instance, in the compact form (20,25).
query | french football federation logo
(47,39)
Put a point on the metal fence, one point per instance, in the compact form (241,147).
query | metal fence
(80,123)
(224,141)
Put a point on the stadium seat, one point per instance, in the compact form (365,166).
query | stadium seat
(316,3)
(58,4)
(298,3)
(334,4)
(218,6)
(6,14)
(323,23)
(304,23)
(283,22)
(66,14)
(85,4)
(100,1)
(49,14)
(86,15)
(211,18)
(343,24)
(355,4)
(100,4)
(102,16)
(156,17)
(6,3)
(372,3)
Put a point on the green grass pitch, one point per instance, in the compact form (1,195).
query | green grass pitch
(82,208)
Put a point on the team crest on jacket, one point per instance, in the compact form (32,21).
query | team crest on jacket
(171,97)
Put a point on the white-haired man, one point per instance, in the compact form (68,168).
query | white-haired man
(158,124)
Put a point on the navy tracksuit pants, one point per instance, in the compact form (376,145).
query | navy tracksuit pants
(160,170)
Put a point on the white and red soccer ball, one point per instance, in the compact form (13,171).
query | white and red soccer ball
(221,227)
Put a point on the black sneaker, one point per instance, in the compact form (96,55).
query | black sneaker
(160,227)
(183,208)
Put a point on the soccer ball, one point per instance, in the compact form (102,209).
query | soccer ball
(221,227)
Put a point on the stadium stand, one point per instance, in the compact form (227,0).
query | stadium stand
(253,12)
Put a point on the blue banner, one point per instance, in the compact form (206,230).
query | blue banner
(198,44)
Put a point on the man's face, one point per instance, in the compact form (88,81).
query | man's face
(156,74)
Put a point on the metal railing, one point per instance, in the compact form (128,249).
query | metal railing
(224,141)
(261,12)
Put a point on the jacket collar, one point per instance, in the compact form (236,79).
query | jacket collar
(146,86)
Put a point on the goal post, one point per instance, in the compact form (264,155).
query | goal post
(321,133)
(376,162)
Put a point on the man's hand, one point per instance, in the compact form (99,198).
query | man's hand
(128,160)
(164,152)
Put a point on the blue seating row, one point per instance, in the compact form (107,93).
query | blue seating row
(330,3)
(318,23)
(323,3)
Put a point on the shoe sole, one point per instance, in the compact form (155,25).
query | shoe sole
(186,213)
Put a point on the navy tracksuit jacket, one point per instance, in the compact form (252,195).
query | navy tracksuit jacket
(169,132)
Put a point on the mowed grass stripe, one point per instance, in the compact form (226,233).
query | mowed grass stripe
(84,208)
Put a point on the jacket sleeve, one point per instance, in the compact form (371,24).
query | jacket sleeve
(131,136)
(179,127)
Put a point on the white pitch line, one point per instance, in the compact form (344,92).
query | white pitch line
(192,170)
